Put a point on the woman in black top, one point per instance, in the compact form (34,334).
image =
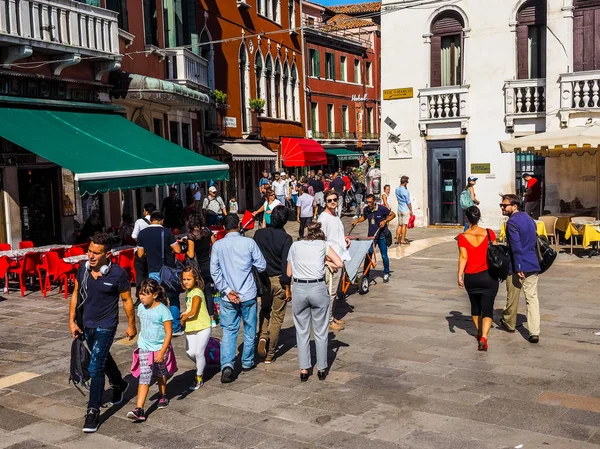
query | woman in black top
(199,240)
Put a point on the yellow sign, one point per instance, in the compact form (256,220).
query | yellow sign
(481,169)
(395,94)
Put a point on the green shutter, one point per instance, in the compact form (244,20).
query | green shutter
(318,63)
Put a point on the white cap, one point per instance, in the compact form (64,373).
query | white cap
(212,189)
(282,173)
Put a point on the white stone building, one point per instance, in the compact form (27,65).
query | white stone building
(484,71)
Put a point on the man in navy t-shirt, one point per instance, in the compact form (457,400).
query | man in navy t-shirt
(378,217)
(98,286)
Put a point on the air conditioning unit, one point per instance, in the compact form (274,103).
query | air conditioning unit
(243,4)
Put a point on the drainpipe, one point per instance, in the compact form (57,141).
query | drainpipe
(303,71)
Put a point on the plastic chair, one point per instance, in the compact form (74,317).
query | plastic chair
(4,267)
(5,247)
(58,269)
(31,266)
(83,246)
(26,244)
(125,260)
(581,220)
(550,223)
(74,251)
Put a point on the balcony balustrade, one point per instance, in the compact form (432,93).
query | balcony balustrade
(443,105)
(524,99)
(188,69)
(579,91)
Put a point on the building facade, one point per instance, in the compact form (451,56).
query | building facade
(342,64)
(461,77)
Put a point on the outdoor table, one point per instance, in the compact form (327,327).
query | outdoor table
(540,227)
(18,253)
(83,257)
(589,231)
(75,259)
(563,222)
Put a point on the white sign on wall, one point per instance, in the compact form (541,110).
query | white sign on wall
(359,97)
(230,122)
(399,149)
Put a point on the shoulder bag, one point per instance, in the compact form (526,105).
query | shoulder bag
(170,278)
(498,260)
(544,252)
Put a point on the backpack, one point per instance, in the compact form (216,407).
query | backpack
(466,200)
(498,260)
(80,362)
(213,351)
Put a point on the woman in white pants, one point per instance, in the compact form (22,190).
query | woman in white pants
(310,298)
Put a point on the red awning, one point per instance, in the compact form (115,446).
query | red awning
(299,152)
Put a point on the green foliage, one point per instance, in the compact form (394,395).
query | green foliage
(257,104)
(220,97)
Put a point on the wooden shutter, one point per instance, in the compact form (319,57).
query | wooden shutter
(586,35)
(447,23)
(436,61)
(532,13)
(522,52)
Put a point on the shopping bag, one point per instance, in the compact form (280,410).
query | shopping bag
(411,222)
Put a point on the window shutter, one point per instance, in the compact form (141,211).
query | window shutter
(523,52)
(318,63)
(436,61)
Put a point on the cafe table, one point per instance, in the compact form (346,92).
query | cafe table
(19,253)
(540,228)
(589,231)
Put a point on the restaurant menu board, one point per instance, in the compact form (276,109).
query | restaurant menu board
(69,207)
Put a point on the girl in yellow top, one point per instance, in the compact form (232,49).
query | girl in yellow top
(197,322)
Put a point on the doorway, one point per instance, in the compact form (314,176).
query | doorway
(446,174)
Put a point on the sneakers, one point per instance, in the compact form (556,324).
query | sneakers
(355,217)
(163,402)
(262,347)
(92,420)
(227,375)
(137,414)
(333,326)
(118,393)
(213,323)
(198,382)
(268,360)
(386,277)
(246,369)
(178,334)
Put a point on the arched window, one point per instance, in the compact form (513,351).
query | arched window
(531,40)
(207,52)
(258,72)
(292,13)
(244,70)
(278,107)
(447,49)
(269,86)
(295,92)
(286,88)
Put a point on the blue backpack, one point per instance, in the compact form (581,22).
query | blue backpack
(466,200)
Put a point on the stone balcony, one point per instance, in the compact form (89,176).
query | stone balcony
(524,102)
(579,93)
(65,30)
(188,69)
(448,105)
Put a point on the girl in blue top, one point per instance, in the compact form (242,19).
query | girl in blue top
(156,324)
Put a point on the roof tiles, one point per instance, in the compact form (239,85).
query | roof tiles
(356,8)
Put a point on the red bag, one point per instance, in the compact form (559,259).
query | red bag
(411,222)
(248,220)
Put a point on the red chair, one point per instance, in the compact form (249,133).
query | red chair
(83,246)
(57,270)
(5,247)
(125,260)
(31,266)
(74,251)
(4,267)
(25,244)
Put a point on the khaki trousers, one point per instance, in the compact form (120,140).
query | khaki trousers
(272,314)
(514,285)
(333,282)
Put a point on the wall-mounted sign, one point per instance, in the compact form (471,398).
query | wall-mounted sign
(230,122)
(481,169)
(396,94)
(359,97)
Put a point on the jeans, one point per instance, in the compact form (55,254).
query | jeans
(99,341)
(281,199)
(213,220)
(230,317)
(174,305)
(383,249)
(295,199)
(141,272)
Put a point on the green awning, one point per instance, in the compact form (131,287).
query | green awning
(106,151)
(343,154)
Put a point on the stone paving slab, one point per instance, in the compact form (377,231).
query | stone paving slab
(405,374)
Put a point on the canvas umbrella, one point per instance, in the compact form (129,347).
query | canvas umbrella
(569,141)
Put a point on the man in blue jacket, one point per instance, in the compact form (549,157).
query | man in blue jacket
(522,239)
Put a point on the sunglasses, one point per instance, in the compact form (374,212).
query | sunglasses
(504,206)
(271,194)
(332,200)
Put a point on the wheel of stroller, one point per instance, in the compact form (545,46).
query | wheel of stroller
(363,285)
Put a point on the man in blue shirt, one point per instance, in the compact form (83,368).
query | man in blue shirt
(378,217)
(231,263)
(404,210)
(522,240)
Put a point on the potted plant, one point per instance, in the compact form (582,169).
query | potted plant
(220,98)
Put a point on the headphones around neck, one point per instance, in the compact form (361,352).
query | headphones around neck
(104,269)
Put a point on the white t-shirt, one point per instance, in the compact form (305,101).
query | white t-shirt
(273,205)
(307,258)
(198,194)
(306,203)
(333,228)
(279,187)
(140,224)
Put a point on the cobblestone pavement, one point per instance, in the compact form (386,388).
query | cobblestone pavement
(405,374)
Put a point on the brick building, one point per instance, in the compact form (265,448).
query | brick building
(342,71)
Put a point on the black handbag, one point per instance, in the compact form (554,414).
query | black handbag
(545,253)
(388,237)
(170,278)
(498,260)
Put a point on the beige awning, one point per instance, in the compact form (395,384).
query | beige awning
(247,151)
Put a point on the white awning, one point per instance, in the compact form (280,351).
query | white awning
(247,151)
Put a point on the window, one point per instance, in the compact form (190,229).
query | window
(295,94)
(119,6)
(244,70)
(278,89)
(286,95)
(586,35)
(314,117)
(174,132)
(314,63)
(292,13)
(269,85)
(158,126)
(150,23)
(531,40)
(369,73)
(311,21)
(357,71)
(258,71)
(185,136)
(275,11)
(330,119)
(446,49)
(270,9)
(369,118)
(343,68)
(329,66)
(344,119)
(260,7)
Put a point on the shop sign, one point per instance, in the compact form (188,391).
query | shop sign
(481,169)
(45,89)
(397,94)
(359,125)
(230,122)
(357,98)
